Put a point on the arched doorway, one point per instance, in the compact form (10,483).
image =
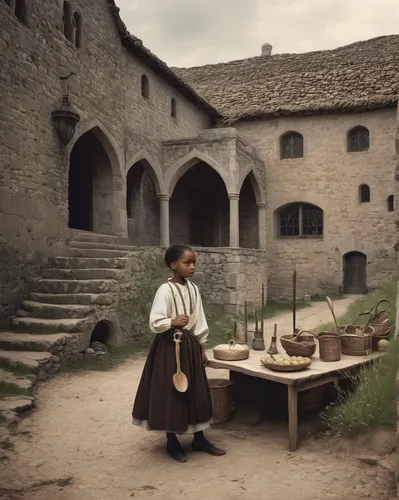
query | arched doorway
(249,231)
(90,193)
(355,272)
(199,209)
(142,206)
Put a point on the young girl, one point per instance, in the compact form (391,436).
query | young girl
(159,406)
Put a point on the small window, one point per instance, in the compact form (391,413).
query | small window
(67,20)
(364,193)
(173,107)
(77,24)
(390,203)
(291,145)
(145,87)
(300,220)
(358,140)
(20,11)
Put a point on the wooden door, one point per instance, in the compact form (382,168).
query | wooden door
(355,281)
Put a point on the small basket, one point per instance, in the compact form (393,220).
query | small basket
(380,316)
(353,344)
(231,352)
(299,345)
(329,346)
(222,399)
(286,368)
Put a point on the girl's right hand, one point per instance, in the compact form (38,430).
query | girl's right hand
(181,320)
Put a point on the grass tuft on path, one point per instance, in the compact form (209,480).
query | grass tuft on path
(372,404)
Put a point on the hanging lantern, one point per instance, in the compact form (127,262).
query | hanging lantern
(65,121)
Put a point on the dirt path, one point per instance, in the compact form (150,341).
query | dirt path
(81,430)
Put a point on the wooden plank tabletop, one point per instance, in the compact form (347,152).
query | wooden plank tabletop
(318,369)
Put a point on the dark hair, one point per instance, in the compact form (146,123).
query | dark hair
(174,252)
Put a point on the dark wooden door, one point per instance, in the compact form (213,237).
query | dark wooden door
(355,281)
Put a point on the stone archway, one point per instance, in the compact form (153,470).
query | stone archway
(199,208)
(248,215)
(142,205)
(90,188)
(355,272)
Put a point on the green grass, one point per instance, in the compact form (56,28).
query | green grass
(17,369)
(9,389)
(372,403)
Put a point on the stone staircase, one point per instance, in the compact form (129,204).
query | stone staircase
(52,326)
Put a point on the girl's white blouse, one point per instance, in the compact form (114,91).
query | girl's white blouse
(163,309)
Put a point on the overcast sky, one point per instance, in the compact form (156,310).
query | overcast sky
(196,32)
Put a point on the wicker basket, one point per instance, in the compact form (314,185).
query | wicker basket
(300,345)
(286,368)
(353,344)
(222,399)
(380,315)
(381,332)
(231,352)
(329,346)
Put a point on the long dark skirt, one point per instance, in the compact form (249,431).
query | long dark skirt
(158,405)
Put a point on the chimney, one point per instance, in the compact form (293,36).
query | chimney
(267,49)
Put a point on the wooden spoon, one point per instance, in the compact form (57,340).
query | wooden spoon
(179,379)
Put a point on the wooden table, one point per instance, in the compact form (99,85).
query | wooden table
(319,373)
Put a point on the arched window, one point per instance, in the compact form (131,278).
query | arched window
(390,203)
(364,193)
(358,139)
(300,220)
(145,87)
(77,24)
(291,145)
(173,107)
(67,21)
(20,11)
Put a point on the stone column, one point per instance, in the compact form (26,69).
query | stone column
(234,220)
(164,219)
(262,224)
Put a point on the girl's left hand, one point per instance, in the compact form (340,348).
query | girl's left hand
(204,359)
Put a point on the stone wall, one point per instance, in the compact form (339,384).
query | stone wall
(329,177)
(106,92)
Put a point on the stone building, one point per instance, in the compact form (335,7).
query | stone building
(107,155)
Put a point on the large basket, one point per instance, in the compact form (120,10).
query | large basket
(299,345)
(353,344)
(329,346)
(222,399)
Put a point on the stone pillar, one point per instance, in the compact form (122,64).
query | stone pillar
(262,224)
(164,219)
(234,220)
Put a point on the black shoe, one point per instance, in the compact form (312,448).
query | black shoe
(207,447)
(176,452)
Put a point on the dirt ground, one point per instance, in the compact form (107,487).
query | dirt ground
(79,444)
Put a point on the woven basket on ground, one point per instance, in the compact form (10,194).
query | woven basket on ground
(303,344)
(222,399)
(329,346)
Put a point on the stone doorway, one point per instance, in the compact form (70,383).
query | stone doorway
(249,231)
(355,272)
(200,209)
(90,190)
(142,206)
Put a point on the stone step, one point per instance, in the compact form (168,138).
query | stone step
(103,246)
(57,311)
(102,299)
(89,262)
(97,238)
(82,274)
(16,404)
(23,383)
(49,325)
(28,361)
(75,286)
(95,253)
(15,341)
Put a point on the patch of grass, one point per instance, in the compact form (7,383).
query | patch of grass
(10,389)
(63,482)
(365,303)
(17,369)
(372,403)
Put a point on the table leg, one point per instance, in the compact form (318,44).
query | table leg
(292,418)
